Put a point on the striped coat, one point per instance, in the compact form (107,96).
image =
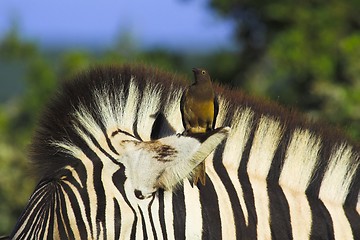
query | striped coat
(112,167)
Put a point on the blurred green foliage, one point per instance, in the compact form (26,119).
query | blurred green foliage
(304,54)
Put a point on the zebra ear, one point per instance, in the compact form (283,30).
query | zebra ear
(165,162)
(185,163)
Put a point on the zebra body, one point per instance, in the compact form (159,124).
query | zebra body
(112,167)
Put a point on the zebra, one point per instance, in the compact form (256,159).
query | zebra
(112,165)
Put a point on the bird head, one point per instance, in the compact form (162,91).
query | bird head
(201,75)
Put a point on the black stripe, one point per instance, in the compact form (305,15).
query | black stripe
(354,220)
(119,179)
(35,223)
(178,201)
(35,205)
(58,210)
(151,219)
(135,124)
(111,147)
(84,194)
(322,224)
(75,207)
(145,236)
(97,182)
(280,221)
(46,214)
(34,199)
(210,211)
(247,189)
(50,230)
(162,213)
(230,189)
(63,217)
(117,219)
(351,202)
(96,143)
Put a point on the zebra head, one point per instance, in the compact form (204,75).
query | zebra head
(165,162)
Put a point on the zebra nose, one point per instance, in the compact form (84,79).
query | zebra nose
(138,194)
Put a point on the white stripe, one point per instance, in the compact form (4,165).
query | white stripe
(234,147)
(193,227)
(300,161)
(149,106)
(342,228)
(109,109)
(144,204)
(156,217)
(81,205)
(228,230)
(74,174)
(128,116)
(56,234)
(169,214)
(45,227)
(127,218)
(70,216)
(266,140)
(129,190)
(339,175)
(172,111)
(335,186)
(89,184)
(109,195)
(31,212)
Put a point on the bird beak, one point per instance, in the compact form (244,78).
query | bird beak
(195,70)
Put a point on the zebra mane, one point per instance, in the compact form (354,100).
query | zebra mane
(267,141)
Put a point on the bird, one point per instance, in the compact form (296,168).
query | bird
(199,109)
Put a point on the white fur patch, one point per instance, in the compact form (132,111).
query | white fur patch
(335,187)
(193,228)
(110,109)
(300,161)
(148,108)
(129,115)
(338,176)
(226,212)
(172,111)
(235,144)
(223,109)
(169,214)
(265,142)
(342,228)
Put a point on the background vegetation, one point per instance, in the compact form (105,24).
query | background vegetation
(305,55)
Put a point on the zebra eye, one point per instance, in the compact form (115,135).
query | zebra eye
(203,72)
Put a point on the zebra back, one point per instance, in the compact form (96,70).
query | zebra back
(103,142)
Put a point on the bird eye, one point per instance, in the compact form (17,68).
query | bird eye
(203,72)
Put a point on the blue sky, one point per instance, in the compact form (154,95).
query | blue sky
(176,24)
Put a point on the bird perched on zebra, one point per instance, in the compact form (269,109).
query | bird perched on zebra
(199,108)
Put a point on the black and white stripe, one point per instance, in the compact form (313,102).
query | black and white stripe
(275,176)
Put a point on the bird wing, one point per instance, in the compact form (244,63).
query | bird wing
(216,110)
(182,103)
